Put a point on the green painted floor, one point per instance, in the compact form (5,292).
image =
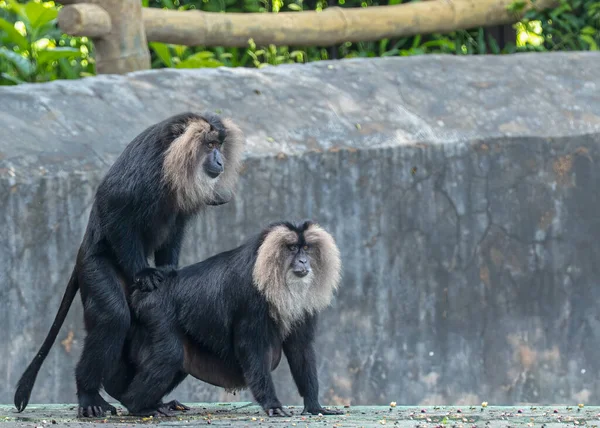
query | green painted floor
(249,415)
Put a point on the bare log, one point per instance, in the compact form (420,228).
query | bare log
(124,47)
(331,26)
(84,20)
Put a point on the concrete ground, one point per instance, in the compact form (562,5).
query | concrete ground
(249,415)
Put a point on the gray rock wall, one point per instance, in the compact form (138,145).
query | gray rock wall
(463,193)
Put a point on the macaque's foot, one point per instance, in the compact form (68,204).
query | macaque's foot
(176,405)
(321,410)
(149,279)
(277,411)
(161,410)
(94,406)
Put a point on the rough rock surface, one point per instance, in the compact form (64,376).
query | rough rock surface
(462,192)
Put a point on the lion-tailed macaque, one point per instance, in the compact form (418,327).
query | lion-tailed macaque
(227,320)
(165,176)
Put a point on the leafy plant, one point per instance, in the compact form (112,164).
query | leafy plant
(33,49)
(179,56)
(573,25)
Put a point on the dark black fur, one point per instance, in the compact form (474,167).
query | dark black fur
(213,308)
(133,217)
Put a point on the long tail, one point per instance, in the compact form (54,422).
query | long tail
(25,385)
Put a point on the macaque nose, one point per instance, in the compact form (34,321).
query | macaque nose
(217,158)
(214,164)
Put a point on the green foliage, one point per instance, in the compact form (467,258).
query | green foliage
(574,25)
(179,56)
(32,49)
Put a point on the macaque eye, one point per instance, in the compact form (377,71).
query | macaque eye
(211,145)
(305,248)
(292,247)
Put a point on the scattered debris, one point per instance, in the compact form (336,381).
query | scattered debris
(425,417)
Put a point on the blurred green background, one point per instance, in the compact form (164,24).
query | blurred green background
(32,48)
